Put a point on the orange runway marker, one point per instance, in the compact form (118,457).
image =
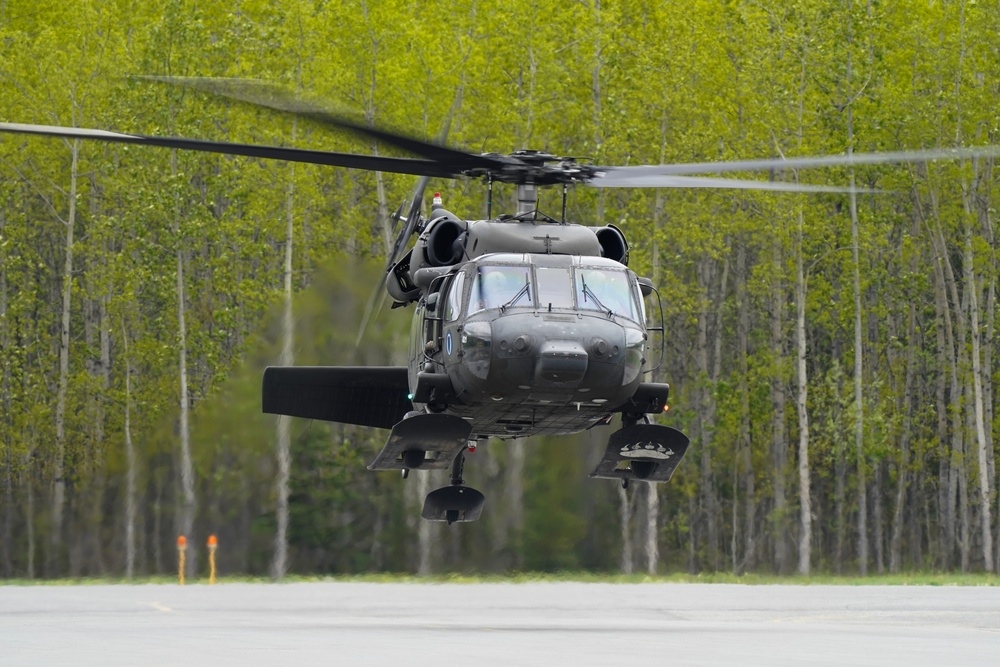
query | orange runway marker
(181,547)
(213,542)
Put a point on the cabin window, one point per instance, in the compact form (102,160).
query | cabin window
(454,306)
(416,329)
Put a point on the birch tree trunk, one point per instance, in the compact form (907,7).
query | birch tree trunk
(946,476)
(29,515)
(801,376)
(188,500)
(58,467)
(279,564)
(706,493)
(778,436)
(983,455)
(625,522)
(977,386)
(130,466)
(652,533)
(514,493)
(859,408)
(424,561)
(987,365)
(964,504)
(956,335)
(6,421)
(746,444)
(988,387)
(878,523)
(972,291)
(716,371)
(902,481)
(805,497)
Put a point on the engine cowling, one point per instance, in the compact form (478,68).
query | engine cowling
(443,245)
(614,245)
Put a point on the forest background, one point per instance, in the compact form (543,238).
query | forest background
(831,356)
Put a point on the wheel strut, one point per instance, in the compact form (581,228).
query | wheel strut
(457,468)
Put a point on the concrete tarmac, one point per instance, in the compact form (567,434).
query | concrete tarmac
(497,624)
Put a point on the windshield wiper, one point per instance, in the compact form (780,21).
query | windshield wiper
(589,292)
(521,292)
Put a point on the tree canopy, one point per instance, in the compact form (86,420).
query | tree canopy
(832,359)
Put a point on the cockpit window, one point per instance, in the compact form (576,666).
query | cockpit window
(595,289)
(605,290)
(554,288)
(497,286)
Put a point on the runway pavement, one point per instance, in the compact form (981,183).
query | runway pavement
(498,624)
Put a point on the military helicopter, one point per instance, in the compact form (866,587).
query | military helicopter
(524,324)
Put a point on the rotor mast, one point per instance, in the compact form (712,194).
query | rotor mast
(527,198)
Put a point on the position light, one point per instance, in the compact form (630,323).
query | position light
(666,408)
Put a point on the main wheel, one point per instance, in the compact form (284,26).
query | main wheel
(642,469)
(413,458)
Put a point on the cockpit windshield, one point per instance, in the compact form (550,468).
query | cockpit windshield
(501,286)
(605,290)
(550,288)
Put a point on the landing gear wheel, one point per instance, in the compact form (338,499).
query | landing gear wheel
(453,504)
(456,502)
(413,458)
(645,452)
(642,469)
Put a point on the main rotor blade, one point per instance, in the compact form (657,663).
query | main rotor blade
(412,166)
(609,179)
(852,160)
(272,96)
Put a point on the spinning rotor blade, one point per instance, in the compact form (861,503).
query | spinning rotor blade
(396,165)
(272,96)
(410,222)
(661,181)
(523,167)
(611,175)
(409,225)
(413,215)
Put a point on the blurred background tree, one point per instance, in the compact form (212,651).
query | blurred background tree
(832,362)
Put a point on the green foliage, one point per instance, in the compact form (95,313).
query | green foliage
(554,528)
(621,83)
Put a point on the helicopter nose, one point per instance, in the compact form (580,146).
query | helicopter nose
(561,362)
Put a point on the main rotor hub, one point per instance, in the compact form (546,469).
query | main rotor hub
(534,168)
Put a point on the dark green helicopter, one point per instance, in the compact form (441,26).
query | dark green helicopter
(524,324)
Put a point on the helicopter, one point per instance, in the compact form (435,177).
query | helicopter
(524,324)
